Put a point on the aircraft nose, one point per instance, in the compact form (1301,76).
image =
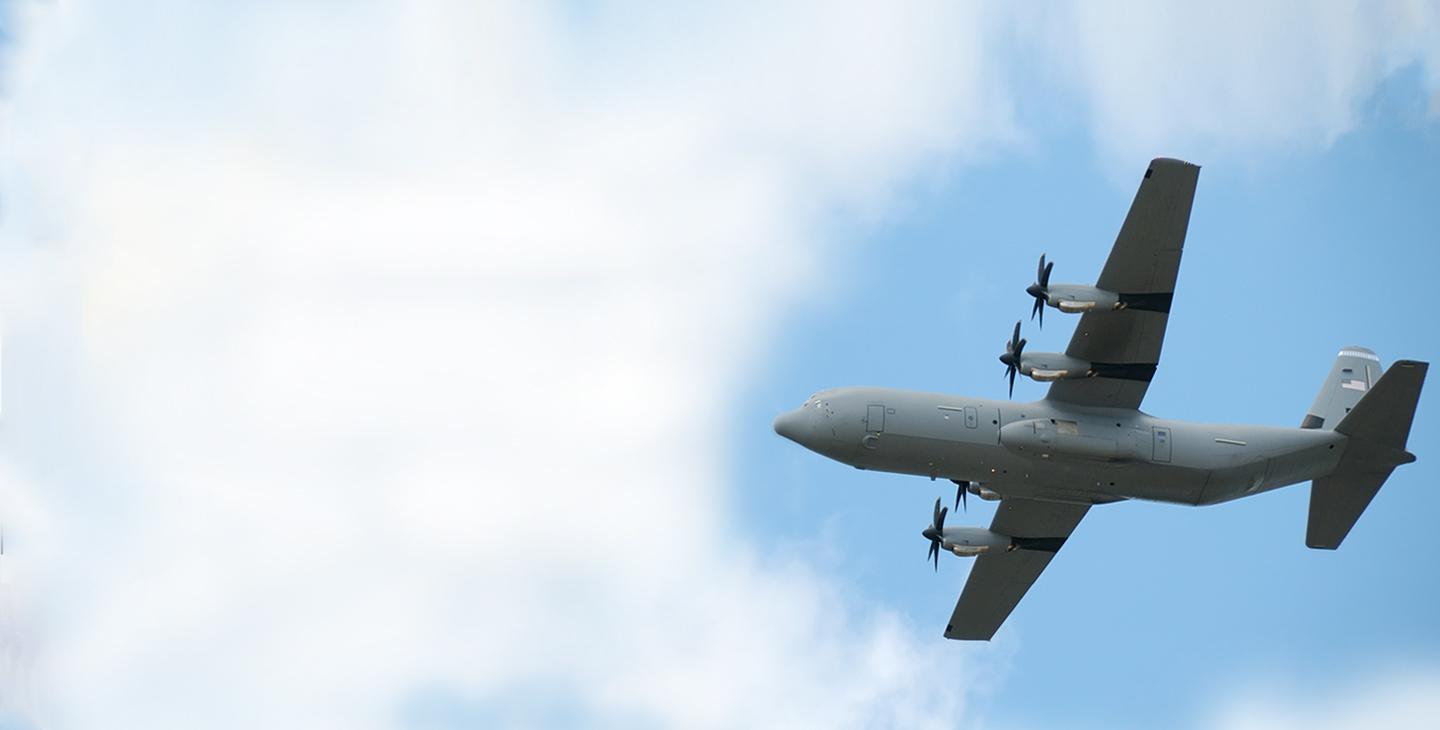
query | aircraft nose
(791,425)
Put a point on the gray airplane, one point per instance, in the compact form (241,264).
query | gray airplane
(1087,442)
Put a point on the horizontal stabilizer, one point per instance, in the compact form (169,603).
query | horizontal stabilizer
(1378,427)
(1336,503)
(1384,415)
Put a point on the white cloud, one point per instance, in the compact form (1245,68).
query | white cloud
(363,354)
(1399,698)
(1233,78)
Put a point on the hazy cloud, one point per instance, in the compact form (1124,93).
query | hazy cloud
(1230,78)
(362,356)
(1397,698)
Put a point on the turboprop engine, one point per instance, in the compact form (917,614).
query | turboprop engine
(1046,437)
(969,542)
(1046,367)
(964,487)
(1042,366)
(1073,298)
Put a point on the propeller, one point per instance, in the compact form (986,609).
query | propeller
(1040,289)
(933,533)
(1011,358)
(962,495)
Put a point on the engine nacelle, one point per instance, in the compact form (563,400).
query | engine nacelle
(979,490)
(1074,298)
(1050,366)
(1046,437)
(969,542)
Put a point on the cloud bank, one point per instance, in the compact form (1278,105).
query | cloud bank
(365,366)
(371,359)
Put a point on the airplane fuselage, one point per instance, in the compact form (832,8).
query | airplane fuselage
(1048,450)
(1087,442)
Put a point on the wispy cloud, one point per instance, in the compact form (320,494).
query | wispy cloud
(1230,79)
(1400,697)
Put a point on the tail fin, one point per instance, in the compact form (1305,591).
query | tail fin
(1355,370)
(1377,426)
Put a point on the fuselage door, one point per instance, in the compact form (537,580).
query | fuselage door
(971,417)
(1162,444)
(875,418)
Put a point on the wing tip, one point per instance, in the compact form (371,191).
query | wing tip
(1171,162)
(953,635)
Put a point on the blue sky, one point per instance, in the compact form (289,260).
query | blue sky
(413,365)
(1154,610)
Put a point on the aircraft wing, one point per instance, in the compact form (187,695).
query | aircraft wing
(1142,268)
(999,580)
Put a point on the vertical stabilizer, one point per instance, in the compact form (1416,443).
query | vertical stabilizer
(1356,369)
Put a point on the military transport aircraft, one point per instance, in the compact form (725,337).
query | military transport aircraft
(1087,442)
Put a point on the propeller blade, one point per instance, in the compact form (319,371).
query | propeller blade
(962,496)
(1040,289)
(1014,349)
(935,533)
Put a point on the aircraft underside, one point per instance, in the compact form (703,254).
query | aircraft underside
(1087,442)
(1103,473)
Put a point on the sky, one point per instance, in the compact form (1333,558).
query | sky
(396,364)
